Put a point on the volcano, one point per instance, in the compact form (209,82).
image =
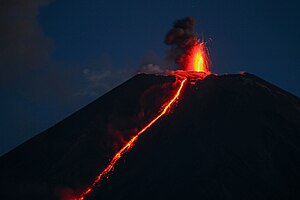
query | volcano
(225,137)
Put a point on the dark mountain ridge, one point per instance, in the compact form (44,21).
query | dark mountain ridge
(229,137)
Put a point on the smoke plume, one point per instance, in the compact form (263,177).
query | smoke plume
(181,38)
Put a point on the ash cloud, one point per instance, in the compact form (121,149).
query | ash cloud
(151,64)
(151,69)
(100,75)
(23,45)
(181,37)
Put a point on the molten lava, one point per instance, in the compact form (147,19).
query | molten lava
(130,144)
(195,58)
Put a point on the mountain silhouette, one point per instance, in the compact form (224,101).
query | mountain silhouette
(228,137)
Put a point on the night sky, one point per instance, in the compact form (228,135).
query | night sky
(57,56)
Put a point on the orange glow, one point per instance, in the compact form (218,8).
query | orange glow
(198,62)
(130,144)
(196,58)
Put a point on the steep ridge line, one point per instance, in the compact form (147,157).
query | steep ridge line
(130,144)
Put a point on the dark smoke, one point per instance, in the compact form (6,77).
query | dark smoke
(181,37)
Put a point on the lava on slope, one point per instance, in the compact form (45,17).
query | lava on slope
(67,156)
(131,143)
(182,77)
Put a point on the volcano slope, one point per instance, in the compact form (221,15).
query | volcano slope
(229,137)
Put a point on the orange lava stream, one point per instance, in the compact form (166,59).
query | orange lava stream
(130,144)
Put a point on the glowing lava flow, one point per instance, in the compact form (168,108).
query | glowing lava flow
(130,144)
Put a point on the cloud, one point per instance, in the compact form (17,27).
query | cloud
(23,45)
(151,64)
(100,75)
(98,81)
(151,69)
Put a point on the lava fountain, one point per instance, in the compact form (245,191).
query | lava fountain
(194,57)
(186,48)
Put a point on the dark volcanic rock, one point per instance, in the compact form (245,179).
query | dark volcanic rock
(70,154)
(229,137)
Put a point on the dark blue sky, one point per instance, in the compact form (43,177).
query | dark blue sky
(58,56)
